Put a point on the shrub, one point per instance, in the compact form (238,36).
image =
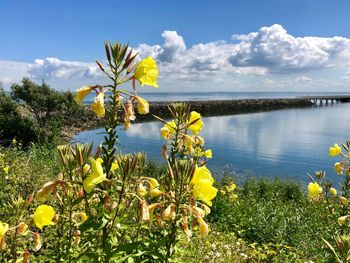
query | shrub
(13,124)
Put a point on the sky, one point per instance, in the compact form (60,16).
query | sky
(199,45)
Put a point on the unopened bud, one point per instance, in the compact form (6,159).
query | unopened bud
(77,238)
(144,210)
(86,168)
(22,228)
(26,257)
(37,241)
(164,152)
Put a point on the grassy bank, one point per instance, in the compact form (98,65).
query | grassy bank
(259,221)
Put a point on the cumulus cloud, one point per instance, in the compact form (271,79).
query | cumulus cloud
(54,68)
(245,60)
(273,48)
(12,71)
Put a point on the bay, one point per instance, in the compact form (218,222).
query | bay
(286,143)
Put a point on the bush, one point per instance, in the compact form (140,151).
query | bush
(39,114)
(13,124)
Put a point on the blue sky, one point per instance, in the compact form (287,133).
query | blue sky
(58,40)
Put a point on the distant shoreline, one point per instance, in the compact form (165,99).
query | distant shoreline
(206,108)
(229,107)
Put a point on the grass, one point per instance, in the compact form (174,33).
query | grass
(269,221)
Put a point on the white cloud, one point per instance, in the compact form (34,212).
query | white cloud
(273,48)
(54,68)
(12,71)
(270,57)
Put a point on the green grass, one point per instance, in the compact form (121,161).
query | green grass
(270,221)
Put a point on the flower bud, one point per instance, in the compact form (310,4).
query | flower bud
(342,219)
(26,257)
(37,241)
(144,210)
(86,168)
(22,228)
(333,191)
(343,200)
(77,238)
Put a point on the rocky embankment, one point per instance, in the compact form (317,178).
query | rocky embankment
(228,107)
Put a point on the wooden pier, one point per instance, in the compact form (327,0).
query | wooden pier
(326,99)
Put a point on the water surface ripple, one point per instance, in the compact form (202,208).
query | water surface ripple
(285,143)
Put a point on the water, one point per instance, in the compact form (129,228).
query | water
(193,96)
(285,143)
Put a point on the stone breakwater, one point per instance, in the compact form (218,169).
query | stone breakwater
(228,107)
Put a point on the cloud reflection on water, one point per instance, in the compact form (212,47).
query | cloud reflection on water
(289,142)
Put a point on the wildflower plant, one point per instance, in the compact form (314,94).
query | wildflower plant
(188,184)
(102,206)
(337,202)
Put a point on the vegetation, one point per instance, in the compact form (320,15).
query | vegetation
(81,203)
(38,114)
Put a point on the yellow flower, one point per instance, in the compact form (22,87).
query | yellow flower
(153,182)
(205,192)
(98,106)
(3,229)
(86,168)
(333,191)
(195,123)
(146,72)
(342,219)
(43,216)
(83,217)
(338,168)
(231,187)
(142,105)
(314,189)
(6,169)
(203,226)
(208,154)
(115,166)
(202,175)
(335,150)
(168,130)
(141,190)
(203,185)
(96,176)
(82,93)
(155,192)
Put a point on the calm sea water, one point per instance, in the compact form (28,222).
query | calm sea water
(285,143)
(193,96)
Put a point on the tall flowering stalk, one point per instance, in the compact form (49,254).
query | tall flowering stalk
(121,68)
(337,203)
(188,185)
